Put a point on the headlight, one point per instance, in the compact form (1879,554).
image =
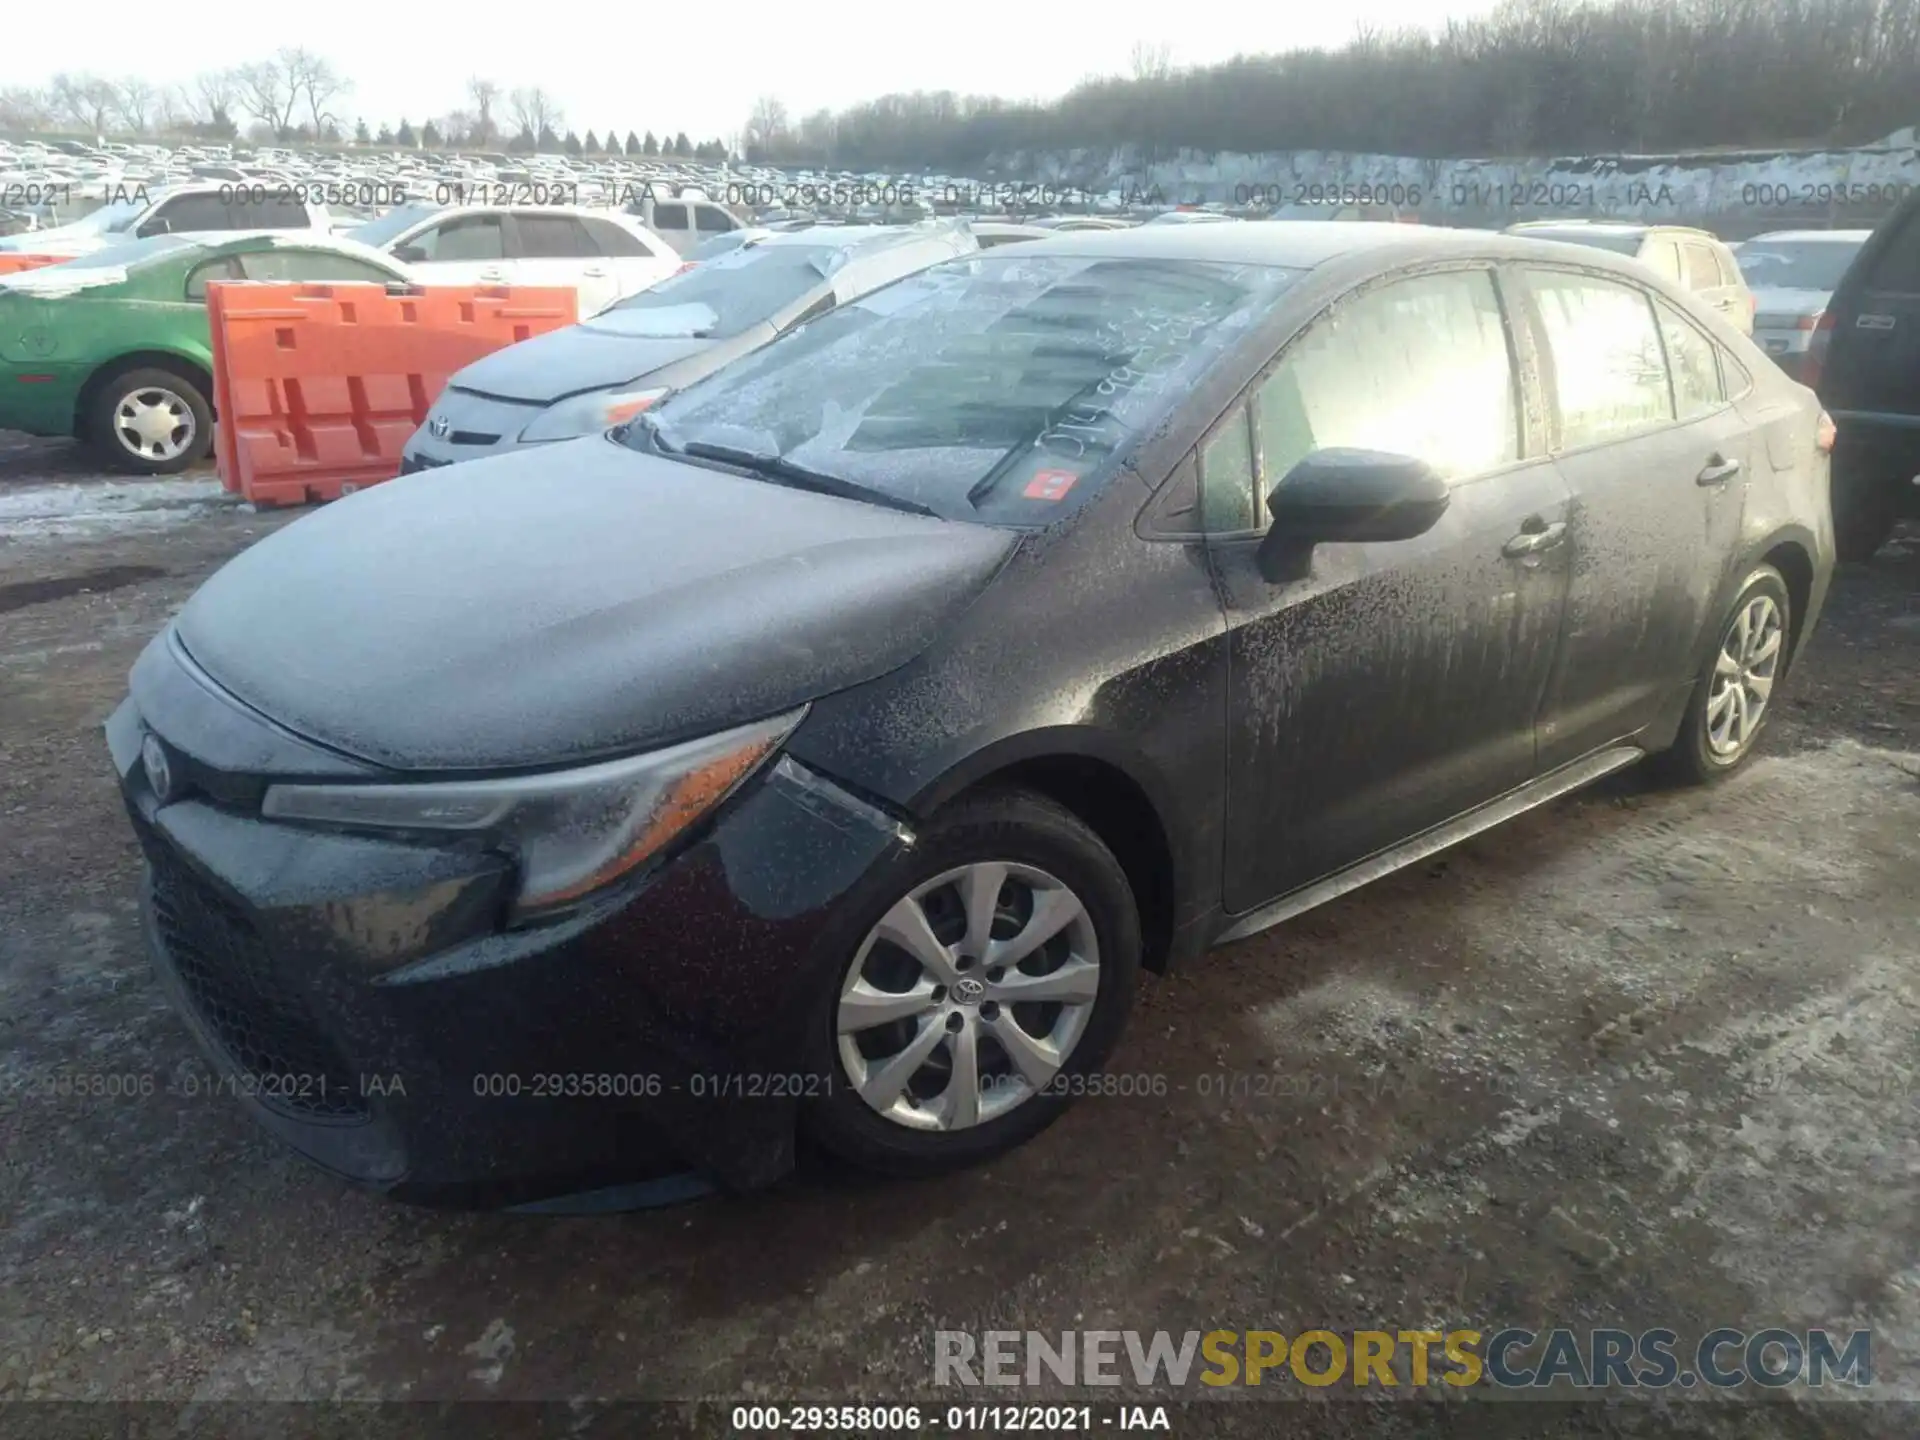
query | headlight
(572,831)
(589,414)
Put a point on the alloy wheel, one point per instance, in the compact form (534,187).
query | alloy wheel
(1743,676)
(154,424)
(968,996)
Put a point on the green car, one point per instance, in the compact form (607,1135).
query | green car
(112,348)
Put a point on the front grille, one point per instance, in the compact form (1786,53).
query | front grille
(220,959)
(472,437)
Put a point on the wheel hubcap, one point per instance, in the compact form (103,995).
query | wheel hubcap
(154,424)
(968,996)
(1743,676)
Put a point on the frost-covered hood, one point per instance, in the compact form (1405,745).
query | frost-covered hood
(573,601)
(591,356)
(60,240)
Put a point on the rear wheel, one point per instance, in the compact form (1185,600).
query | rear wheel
(997,964)
(1733,695)
(152,421)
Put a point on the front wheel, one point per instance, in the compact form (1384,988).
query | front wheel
(996,965)
(1733,695)
(151,421)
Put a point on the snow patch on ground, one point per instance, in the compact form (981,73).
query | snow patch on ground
(83,510)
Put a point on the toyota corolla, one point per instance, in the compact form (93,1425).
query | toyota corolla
(821,753)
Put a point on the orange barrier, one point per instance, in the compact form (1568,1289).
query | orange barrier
(318,387)
(13,264)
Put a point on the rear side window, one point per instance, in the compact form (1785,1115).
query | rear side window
(1694,362)
(1664,257)
(1609,370)
(553,237)
(1729,267)
(615,239)
(1896,270)
(317,266)
(1418,367)
(227,267)
(669,217)
(1703,271)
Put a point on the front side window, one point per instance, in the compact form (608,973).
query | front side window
(1417,367)
(465,237)
(189,213)
(1694,362)
(670,217)
(553,237)
(712,220)
(612,239)
(1609,372)
(983,388)
(273,212)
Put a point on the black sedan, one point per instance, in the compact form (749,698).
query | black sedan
(821,753)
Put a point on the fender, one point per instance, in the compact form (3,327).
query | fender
(1751,555)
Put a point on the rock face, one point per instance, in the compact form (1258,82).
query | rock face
(1729,191)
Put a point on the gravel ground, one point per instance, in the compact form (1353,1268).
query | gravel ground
(1641,1058)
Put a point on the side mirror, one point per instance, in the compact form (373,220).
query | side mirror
(409,254)
(1354,497)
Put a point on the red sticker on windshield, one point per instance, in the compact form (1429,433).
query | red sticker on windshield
(1050,485)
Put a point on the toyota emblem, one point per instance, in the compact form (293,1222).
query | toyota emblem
(153,755)
(439,426)
(968,990)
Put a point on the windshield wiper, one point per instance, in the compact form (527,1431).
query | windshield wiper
(777,467)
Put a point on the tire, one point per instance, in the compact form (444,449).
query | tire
(1043,845)
(1698,756)
(157,393)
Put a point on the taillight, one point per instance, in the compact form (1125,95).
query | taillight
(1815,359)
(1823,434)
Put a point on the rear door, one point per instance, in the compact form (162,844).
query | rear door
(1657,460)
(636,262)
(1392,686)
(549,248)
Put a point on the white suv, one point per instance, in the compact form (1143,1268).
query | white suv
(604,255)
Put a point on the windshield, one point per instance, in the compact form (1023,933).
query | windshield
(720,245)
(112,219)
(983,388)
(1790,265)
(378,232)
(719,299)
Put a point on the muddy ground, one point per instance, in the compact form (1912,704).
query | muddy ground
(1643,1058)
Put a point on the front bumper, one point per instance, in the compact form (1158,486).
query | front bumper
(360,997)
(476,426)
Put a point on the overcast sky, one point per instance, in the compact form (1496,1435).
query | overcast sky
(672,66)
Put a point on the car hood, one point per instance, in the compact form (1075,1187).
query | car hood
(58,241)
(572,602)
(566,362)
(1782,300)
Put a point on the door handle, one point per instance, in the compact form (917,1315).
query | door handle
(1532,542)
(595,272)
(1719,470)
(493,274)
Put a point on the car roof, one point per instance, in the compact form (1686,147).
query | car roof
(1577,226)
(214,240)
(1850,237)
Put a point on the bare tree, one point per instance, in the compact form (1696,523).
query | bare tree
(266,92)
(485,94)
(535,111)
(1152,61)
(767,127)
(312,78)
(86,100)
(24,108)
(136,99)
(213,97)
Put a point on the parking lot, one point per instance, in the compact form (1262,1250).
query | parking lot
(1640,1058)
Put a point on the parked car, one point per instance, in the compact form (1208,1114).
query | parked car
(1068,224)
(602,254)
(113,347)
(1870,381)
(1193,217)
(869,713)
(989,233)
(591,376)
(1694,259)
(687,222)
(173,210)
(1792,274)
